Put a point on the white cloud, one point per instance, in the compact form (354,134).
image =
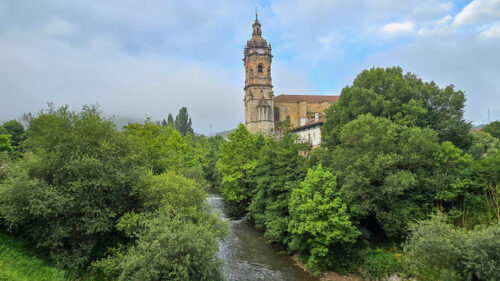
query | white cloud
(394,29)
(58,27)
(493,32)
(478,12)
(137,59)
(287,80)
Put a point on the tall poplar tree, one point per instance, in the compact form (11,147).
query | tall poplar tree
(183,122)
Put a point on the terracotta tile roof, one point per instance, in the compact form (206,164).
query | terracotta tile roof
(308,98)
(310,123)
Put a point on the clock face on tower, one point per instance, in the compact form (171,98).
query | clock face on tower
(260,51)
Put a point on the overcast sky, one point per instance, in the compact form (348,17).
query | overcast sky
(149,58)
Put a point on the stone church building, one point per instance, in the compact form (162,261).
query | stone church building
(263,109)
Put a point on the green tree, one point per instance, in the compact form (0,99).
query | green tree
(320,220)
(170,119)
(5,143)
(437,251)
(72,185)
(183,122)
(482,258)
(434,250)
(280,168)
(16,130)
(165,147)
(207,155)
(403,98)
(451,166)
(237,162)
(164,123)
(175,237)
(493,129)
(384,171)
(483,144)
(487,171)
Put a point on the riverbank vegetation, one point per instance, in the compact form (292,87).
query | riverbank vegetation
(105,204)
(399,175)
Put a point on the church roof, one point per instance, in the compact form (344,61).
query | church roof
(309,124)
(307,98)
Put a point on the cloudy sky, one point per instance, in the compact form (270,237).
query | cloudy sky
(149,58)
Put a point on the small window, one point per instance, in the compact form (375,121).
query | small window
(259,68)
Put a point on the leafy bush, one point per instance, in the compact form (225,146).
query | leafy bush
(435,250)
(176,238)
(72,185)
(380,263)
(169,248)
(320,224)
(482,254)
(438,251)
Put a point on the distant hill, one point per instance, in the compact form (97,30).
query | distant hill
(477,127)
(122,121)
(224,133)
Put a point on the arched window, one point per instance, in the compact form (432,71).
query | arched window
(259,68)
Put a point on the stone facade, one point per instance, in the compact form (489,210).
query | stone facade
(301,109)
(262,109)
(259,106)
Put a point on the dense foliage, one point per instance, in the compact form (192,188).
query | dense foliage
(404,99)
(279,170)
(493,129)
(16,130)
(396,151)
(320,223)
(111,202)
(439,251)
(72,185)
(237,162)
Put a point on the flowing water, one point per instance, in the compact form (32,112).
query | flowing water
(247,257)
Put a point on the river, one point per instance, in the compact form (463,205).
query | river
(247,257)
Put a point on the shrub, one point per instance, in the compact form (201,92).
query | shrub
(438,251)
(168,248)
(380,263)
(72,185)
(482,254)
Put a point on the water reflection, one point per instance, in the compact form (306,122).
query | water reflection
(248,258)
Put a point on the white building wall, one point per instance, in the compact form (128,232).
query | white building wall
(310,135)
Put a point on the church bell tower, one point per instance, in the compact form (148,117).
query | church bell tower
(259,107)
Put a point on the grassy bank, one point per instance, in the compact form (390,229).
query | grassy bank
(18,262)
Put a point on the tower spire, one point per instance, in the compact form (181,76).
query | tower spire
(256,25)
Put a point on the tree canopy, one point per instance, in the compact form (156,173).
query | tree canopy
(183,122)
(404,99)
(15,130)
(493,129)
